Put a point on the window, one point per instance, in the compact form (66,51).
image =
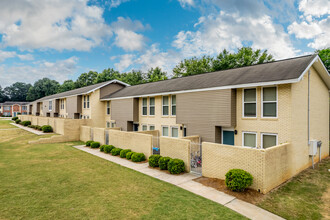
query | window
(88,101)
(6,108)
(144,106)
(184,131)
(108,124)
(62,103)
(175,131)
(144,127)
(165,105)
(173,105)
(268,140)
(250,103)
(108,108)
(24,108)
(84,101)
(269,102)
(152,106)
(113,124)
(249,139)
(50,107)
(165,131)
(151,127)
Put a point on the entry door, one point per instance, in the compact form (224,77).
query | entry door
(15,114)
(135,127)
(228,137)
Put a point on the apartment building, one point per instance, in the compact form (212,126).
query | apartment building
(12,108)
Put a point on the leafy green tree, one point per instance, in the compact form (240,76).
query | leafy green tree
(132,78)
(42,87)
(107,74)
(193,66)
(17,91)
(3,96)
(86,79)
(325,57)
(155,74)
(66,86)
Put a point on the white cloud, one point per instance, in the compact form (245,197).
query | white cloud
(185,3)
(230,31)
(126,61)
(26,56)
(314,7)
(6,54)
(59,25)
(116,3)
(59,70)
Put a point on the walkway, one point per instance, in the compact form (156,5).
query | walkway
(186,182)
(34,131)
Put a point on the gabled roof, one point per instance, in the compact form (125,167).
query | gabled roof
(80,91)
(272,73)
(14,103)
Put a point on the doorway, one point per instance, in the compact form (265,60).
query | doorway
(228,137)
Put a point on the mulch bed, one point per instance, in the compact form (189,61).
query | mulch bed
(249,195)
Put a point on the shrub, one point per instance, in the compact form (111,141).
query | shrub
(163,162)
(14,118)
(17,121)
(154,160)
(138,157)
(47,128)
(129,155)
(108,148)
(238,180)
(38,127)
(26,123)
(175,166)
(116,151)
(102,148)
(95,145)
(88,143)
(124,152)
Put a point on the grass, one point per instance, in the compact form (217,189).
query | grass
(49,181)
(5,124)
(306,196)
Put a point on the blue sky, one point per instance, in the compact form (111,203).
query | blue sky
(62,39)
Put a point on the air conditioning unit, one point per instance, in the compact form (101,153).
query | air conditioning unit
(313,147)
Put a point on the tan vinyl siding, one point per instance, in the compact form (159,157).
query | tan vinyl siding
(109,89)
(73,105)
(123,111)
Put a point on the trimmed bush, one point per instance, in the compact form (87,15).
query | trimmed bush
(95,145)
(47,128)
(238,180)
(129,155)
(88,143)
(38,127)
(108,149)
(116,151)
(153,160)
(175,166)
(124,152)
(163,162)
(18,121)
(26,123)
(14,118)
(102,148)
(138,157)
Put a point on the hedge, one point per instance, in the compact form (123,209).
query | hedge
(124,152)
(116,151)
(129,155)
(88,143)
(38,127)
(153,160)
(238,180)
(102,148)
(163,162)
(47,128)
(138,157)
(108,148)
(17,121)
(26,123)
(95,145)
(14,118)
(175,166)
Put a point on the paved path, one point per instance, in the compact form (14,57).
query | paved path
(186,182)
(34,131)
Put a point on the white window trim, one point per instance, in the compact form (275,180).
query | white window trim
(173,105)
(168,130)
(154,105)
(142,127)
(108,107)
(250,132)
(50,106)
(262,139)
(171,131)
(262,102)
(243,116)
(150,126)
(168,105)
(87,102)
(144,106)
(226,129)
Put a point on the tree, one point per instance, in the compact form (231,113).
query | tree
(17,91)
(86,79)
(3,96)
(193,66)
(107,74)
(42,87)
(325,57)
(132,78)
(66,86)
(156,74)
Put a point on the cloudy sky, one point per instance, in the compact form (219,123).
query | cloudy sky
(60,39)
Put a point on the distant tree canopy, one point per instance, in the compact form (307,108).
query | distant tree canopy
(244,56)
(325,57)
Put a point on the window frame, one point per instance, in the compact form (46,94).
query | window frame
(262,101)
(249,132)
(243,102)
(168,131)
(50,106)
(144,106)
(108,108)
(168,105)
(227,129)
(150,106)
(172,132)
(84,102)
(152,126)
(108,124)
(87,101)
(269,134)
(144,125)
(173,105)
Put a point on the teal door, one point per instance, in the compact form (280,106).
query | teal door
(228,137)
(14,114)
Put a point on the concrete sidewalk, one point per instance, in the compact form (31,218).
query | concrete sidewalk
(186,182)
(34,131)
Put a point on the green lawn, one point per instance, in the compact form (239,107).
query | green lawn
(56,181)
(5,124)
(306,196)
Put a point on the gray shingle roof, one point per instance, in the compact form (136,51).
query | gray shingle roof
(261,73)
(13,103)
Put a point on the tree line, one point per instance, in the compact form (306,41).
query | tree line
(244,56)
